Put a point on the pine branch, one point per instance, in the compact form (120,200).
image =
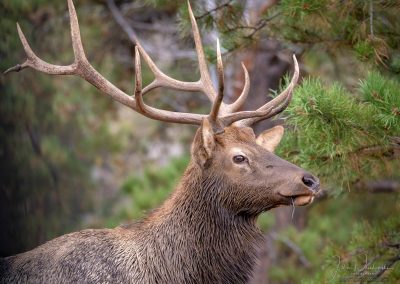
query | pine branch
(132,35)
(378,186)
(213,10)
(291,245)
(119,18)
(366,266)
(367,150)
(262,23)
(396,246)
(374,187)
(385,267)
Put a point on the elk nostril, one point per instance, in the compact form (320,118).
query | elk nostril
(310,181)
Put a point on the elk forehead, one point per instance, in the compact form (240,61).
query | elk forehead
(238,151)
(233,134)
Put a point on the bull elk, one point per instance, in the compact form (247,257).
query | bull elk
(205,232)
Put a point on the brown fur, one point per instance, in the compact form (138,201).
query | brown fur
(205,232)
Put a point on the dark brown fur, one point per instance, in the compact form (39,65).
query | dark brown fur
(204,233)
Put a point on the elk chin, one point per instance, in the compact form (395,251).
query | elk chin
(303,200)
(297,200)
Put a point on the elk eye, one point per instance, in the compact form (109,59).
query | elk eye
(239,159)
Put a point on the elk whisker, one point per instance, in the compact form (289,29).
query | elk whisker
(294,207)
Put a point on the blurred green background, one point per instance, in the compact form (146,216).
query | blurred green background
(71,158)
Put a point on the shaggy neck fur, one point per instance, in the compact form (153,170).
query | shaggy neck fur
(191,238)
(194,239)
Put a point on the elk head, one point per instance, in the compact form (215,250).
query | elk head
(224,146)
(251,178)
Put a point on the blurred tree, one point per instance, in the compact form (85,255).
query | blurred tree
(49,132)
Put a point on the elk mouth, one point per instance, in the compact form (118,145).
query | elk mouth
(299,200)
(302,200)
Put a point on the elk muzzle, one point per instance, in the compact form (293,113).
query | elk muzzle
(304,193)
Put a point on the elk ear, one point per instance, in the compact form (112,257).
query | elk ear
(207,137)
(270,138)
(204,144)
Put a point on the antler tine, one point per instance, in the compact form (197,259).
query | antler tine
(204,74)
(284,97)
(218,100)
(35,62)
(80,67)
(138,82)
(273,107)
(162,80)
(243,96)
(159,114)
(77,46)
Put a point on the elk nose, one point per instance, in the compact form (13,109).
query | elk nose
(311,182)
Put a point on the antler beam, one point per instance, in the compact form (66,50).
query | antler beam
(182,117)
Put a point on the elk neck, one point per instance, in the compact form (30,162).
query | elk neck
(192,227)
(197,204)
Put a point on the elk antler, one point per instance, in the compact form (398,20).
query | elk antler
(218,100)
(221,114)
(270,109)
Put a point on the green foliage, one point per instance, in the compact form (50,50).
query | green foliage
(49,132)
(165,4)
(148,190)
(364,50)
(384,96)
(395,63)
(341,137)
(302,8)
(265,221)
(226,17)
(369,28)
(342,242)
(345,138)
